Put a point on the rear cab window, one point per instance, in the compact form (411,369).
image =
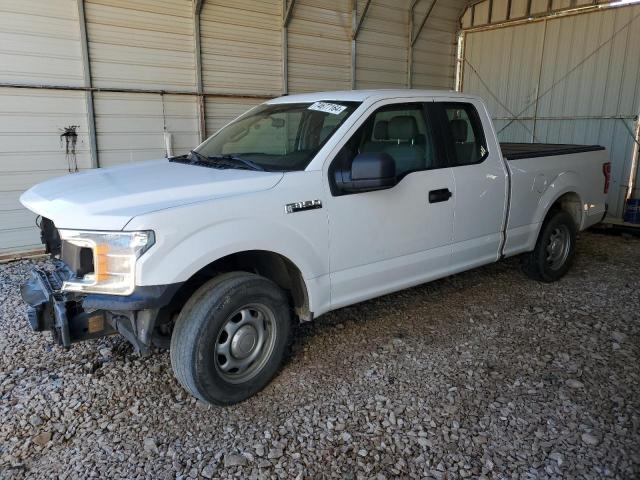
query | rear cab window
(463,133)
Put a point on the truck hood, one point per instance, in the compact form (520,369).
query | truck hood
(107,199)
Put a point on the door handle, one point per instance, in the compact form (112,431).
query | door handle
(441,195)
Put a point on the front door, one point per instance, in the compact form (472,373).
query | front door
(386,240)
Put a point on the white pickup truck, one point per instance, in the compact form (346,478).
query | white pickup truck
(304,204)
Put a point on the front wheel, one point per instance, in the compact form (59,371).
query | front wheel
(231,338)
(555,249)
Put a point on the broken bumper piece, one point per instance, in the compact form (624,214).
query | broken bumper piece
(73,317)
(50,309)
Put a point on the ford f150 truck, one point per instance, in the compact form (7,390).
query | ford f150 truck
(304,204)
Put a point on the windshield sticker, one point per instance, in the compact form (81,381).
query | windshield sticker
(325,107)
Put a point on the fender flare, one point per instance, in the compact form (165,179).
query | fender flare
(566,182)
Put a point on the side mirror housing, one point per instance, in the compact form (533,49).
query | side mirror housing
(369,171)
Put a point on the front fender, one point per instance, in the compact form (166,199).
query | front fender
(177,258)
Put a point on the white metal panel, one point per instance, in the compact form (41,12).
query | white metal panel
(466,19)
(518,8)
(221,110)
(381,48)
(131,126)
(241,46)
(539,6)
(31,122)
(147,44)
(560,4)
(481,16)
(434,50)
(499,11)
(40,42)
(319,46)
(506,78)
(587,78)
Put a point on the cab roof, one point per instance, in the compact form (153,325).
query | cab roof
(362,95)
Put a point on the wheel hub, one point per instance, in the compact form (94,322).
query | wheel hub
(558,247)
(244,342)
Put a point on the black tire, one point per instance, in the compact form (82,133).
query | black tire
(540,264)
(204,321)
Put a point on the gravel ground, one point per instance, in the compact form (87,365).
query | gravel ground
(485,374)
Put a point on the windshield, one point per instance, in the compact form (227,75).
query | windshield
(281,137)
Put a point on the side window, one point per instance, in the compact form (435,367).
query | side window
(464,133)
(402,131)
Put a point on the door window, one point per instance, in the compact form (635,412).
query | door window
(401,130)
(464,134)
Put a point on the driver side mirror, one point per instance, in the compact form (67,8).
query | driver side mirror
(369,171)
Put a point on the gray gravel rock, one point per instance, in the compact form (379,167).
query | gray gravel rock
(590,439)
(572,383)
(234,460)
(42,438)
(483,375)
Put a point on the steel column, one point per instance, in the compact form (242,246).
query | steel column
(356,25)
(287,11)
(412,8)
(86,69)
(202,114)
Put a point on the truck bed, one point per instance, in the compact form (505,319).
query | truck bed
(518,151)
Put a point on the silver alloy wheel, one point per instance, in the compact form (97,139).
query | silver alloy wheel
(558,247)
(245,343)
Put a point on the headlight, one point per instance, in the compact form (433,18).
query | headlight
(114,260)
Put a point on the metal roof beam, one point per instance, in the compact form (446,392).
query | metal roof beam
(424,20)
(360,22)
(197,53)
(287,12)
(88,84)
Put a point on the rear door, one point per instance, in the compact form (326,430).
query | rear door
(480,179)
(386,240)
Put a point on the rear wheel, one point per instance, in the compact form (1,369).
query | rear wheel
(555,249)
(231,338)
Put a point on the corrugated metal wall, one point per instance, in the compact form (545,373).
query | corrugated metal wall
(381,49)
(147,44)
(319,46)
(142,44)
(40,44)
(436,46)
(587,78)
(32,151)
(241,47)
(489,12)
(130,126)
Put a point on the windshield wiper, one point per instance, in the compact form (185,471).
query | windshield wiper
(198,155)
(234,159)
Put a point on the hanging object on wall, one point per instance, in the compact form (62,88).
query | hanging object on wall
(70,137)
(168,140)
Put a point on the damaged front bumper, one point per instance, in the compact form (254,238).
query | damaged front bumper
(73,317)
